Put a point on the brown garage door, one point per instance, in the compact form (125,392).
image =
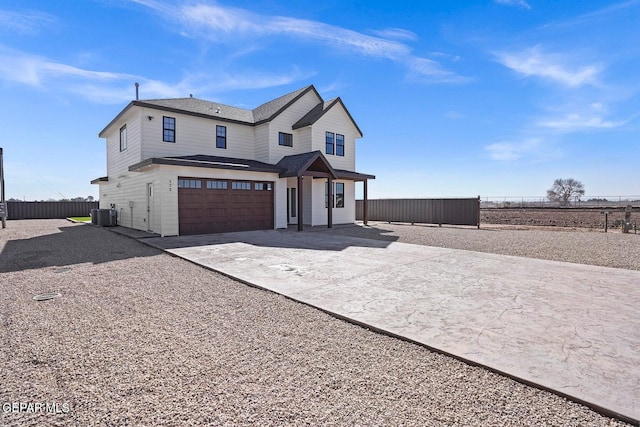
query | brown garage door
(216,206)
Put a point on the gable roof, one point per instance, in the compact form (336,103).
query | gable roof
(267,111)
(208,109)
(298,164)
(319,110)
(200,107)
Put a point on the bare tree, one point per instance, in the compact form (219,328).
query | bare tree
(563,190)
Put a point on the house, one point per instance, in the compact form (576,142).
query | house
(189,166)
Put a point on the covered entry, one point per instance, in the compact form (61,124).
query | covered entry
(222,205)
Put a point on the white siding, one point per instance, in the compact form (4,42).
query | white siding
(164,202)
(284,123)
(261,135)
(194,135)
(128,195)
(118,162)
(336,120)
(346,215)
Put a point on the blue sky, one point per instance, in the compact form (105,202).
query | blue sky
(464,98)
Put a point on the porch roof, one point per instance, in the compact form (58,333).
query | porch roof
(313,163)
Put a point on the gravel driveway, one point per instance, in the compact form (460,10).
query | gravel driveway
(142,338)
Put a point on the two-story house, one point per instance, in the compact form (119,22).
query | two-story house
(189,166)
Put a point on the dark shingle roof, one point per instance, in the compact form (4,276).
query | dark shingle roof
(319,110)
(297,164)
(204,161)
(288,166)
(201,107)
(267,111)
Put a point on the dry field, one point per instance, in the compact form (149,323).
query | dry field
(555,217)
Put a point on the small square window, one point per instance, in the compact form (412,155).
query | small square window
(221,136)
(169,129)
(285,139)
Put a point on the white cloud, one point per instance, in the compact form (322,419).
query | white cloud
(111,87)
(229,24)
(534,63)
(396,33)
(27,22)
(511,151)
(519,3)
(576,122)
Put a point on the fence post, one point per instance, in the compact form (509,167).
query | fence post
(3,214)
(478,212)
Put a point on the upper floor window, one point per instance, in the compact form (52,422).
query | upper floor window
(339,145)
(123,138)
(285,139)
(330,143)
(221,136)
(169,129)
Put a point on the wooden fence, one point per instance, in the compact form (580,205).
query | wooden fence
(48,210)
(425,211)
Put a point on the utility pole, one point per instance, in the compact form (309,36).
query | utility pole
(3,204)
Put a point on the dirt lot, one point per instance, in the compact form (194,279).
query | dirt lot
(568,217)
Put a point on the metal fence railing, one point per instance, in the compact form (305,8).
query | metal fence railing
(488,202)
(48,210)
(425,211)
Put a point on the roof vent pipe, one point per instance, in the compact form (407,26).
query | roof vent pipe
(137,86)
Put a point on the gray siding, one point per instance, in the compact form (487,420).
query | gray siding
(48,210)
(426,211)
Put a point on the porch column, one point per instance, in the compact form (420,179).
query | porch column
(300,210)
(365,204)
(330,203)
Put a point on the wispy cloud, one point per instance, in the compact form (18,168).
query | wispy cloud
(396,33)
(535,63)
(113,87)
(510,151)
(229,24)
(577,122)
(26,22)
(519,3)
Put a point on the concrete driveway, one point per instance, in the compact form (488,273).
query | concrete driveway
(571,328)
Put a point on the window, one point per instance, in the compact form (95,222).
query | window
(339,145)
(329,142)
(285,139)
(217,185)
(293,202)
(338,195)
(262,186)
(189,183)
(169,129)
(221,136)
(123,138)
(239,185)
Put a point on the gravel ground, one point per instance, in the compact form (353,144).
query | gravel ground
(581,246)
(142,338)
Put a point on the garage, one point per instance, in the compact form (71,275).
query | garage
(221,205)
